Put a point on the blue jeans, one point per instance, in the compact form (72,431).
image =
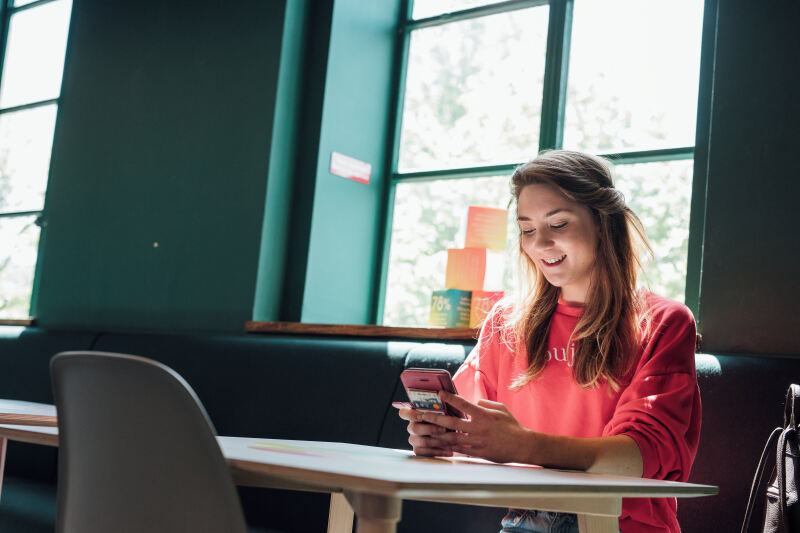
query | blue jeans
(522,521)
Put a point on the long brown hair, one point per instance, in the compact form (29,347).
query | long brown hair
(608,331)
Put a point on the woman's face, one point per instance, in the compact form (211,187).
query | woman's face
(560,237)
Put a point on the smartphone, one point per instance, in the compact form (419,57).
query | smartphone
(422,388)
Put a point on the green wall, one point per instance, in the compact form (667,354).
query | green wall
(290,107)
(344,226)
(750,289)
(163,136)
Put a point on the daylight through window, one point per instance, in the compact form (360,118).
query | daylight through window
(487,85)
(34,39)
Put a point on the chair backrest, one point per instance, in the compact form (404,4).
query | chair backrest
(137,452)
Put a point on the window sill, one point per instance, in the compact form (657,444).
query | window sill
(16,322)
(297,328)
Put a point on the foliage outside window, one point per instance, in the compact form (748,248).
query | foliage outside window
(34,38)
(487,87)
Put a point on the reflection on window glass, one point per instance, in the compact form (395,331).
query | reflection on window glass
(474,92)
(429,217)
(431,8)
(20,238)
(633,75)
(34,62)
(26,138)
(660,194)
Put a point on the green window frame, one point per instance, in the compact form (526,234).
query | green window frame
(551,127)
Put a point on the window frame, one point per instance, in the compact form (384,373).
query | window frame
(7,10)
(551,130)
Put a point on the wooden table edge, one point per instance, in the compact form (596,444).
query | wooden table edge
(30,436)
(275,475)
(15,419)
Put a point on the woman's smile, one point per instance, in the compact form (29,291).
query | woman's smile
(555,261)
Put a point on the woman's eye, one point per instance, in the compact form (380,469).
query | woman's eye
(526,231)
(559,226)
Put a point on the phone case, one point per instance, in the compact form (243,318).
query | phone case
(422,387)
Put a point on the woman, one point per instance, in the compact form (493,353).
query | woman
(582,371)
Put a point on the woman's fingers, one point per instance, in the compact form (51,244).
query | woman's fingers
(460,403)
(429,446)
(495,406)
(433,452)
(406,413)
(421,428)
(420,441)
(425,439)
(444,421)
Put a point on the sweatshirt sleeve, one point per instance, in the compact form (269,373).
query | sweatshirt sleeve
(477,377)
(660,409)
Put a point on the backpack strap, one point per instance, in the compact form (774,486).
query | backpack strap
(751,500)
(780,465)
(791,410)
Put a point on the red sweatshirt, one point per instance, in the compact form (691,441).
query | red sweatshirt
(658,404)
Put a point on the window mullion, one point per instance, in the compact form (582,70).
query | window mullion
(457,173)
(12,214)
(32,5)
(31,105)
(650,156)
(381,269)
(559,32)
(471,13)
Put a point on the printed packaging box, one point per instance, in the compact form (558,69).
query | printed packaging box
(450,308)
(474,269)
(486,228)
(480,305)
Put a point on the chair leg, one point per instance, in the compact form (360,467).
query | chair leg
(3,444)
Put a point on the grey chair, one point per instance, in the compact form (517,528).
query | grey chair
(137,452)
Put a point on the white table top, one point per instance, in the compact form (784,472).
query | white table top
(342,466)
(401,474)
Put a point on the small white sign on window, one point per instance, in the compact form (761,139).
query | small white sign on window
(350,168)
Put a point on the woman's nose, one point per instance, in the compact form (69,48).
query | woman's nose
(542,240)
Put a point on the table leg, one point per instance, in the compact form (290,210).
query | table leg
(591,523)
(340,516)
(3,444)
(376,513)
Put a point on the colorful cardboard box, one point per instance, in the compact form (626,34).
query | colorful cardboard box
(466,269)
(450,308)
(474,276)
(486,228)
(480,305)
(474,269)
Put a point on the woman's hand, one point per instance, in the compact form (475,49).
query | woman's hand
(491,432)
(425,438)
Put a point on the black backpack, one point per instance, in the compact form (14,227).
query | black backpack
(782,512)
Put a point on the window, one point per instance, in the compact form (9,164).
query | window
(34,38)
(488,86)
